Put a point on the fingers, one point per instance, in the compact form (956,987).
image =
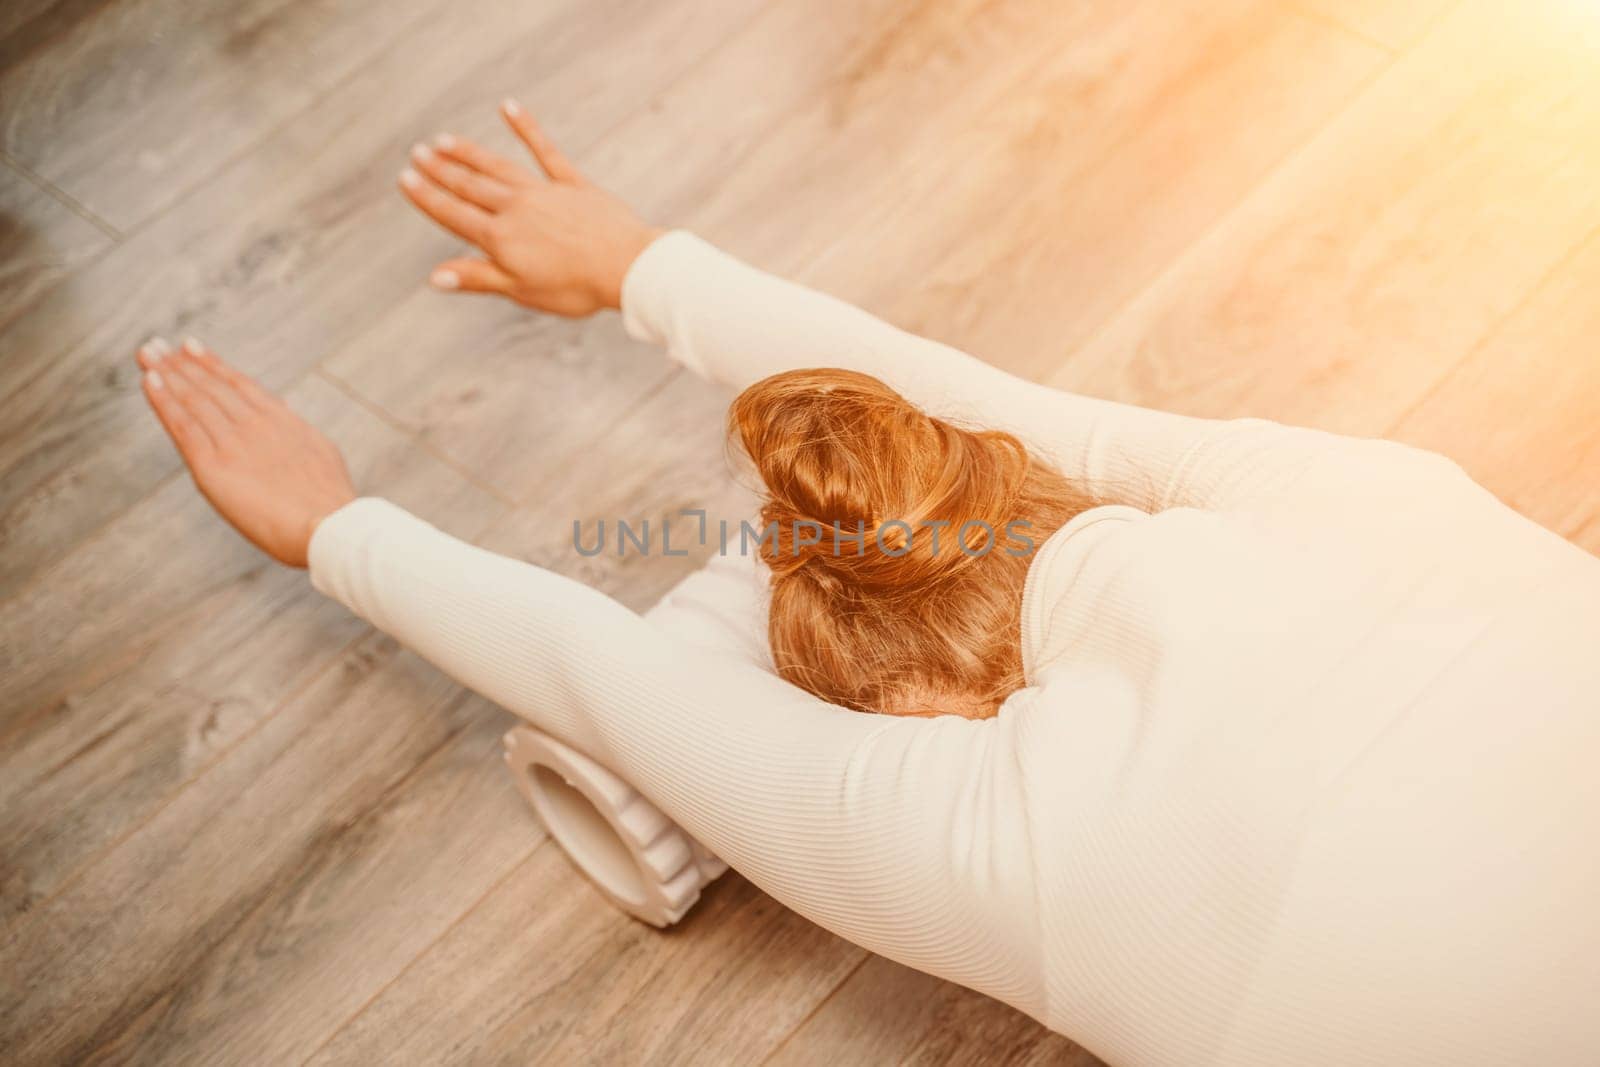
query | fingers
(199,368)
(195,389)
(471,276)
(199,399)
(466,221)
(471,154)
(240,394)
(555,164)
(192,441)
(152,352)
(191,421)
(477,189)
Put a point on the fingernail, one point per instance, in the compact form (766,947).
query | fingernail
(193,346)
(410,178)
(445,141)
(445,279)
(511,106)
(153,379)
(152,350)
(421,153)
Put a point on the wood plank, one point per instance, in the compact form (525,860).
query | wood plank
(504,392)
(25,24)
(885,1013)
(128,105)
(297,248)
(1522,413)
(43,241)
(681,152)
(823,114)
(1395,24)
(545,971)
(665,457)
(1077,190)
(284,887)
(1370,263)
(152,650)
(972,79)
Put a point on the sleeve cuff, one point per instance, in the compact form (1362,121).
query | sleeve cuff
(652,289)
(345,537)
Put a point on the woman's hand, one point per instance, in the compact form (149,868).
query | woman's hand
(552,241)
(264,468)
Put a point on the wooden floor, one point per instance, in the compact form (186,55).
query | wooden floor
(237,826)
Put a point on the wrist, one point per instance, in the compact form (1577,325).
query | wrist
(629,250)
(320,514)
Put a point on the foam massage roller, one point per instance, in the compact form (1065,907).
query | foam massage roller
(635,856)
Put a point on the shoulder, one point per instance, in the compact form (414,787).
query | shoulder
(1056,568)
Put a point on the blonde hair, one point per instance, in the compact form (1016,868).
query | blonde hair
(892,622)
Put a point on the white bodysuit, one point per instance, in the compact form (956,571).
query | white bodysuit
(1304,772)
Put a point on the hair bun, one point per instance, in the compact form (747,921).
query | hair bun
(862,487)
(876,602)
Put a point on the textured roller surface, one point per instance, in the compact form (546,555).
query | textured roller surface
(632,853)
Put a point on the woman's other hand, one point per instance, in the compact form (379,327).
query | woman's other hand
(264,468)
(550,239)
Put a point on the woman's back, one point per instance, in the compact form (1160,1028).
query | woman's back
(1320,799)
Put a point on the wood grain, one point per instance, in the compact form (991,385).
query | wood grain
(822,155)
(1073,191)
(1522,412)
(160,644)
(1365,268)
(127,106)
(507,395)
(290,881)
(626,474)
(43,241)
(543,970)
(27,24)
(1392,23)
(886,1013)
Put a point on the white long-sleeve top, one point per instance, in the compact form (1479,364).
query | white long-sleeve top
(1303,772)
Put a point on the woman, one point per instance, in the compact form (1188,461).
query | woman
(1297,768)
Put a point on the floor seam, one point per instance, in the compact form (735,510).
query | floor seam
(227,162)
(1181,256)
(61,196)
(416,437)
(1499,323)
(78,873)
(817,1008)
(1322,18)
(449,928)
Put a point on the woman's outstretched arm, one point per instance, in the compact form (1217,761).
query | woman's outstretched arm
(734,324)
(554,241)
(879,828)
